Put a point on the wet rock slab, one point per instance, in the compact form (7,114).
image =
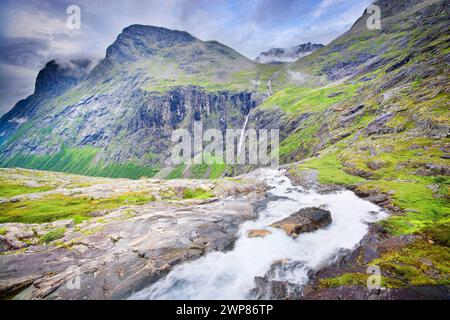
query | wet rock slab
(111,256)
(304,220)
(271,286)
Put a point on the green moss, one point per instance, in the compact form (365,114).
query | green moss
(13,252)
(197,193)
(330,170)
(216,165)
(89,232)
(176,173)
(53,235)
(357,279)
(57,207)
(422,207)
(8,189)
(78,161)
(79,218)
(418,264)
(301,99)
(3,231)
(217,170)
(347,279)
(438,232)
(198,171)
(422,199)
(301,141)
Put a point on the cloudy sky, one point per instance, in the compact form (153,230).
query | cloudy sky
(32,32)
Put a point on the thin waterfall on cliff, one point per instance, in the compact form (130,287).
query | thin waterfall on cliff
(242,137)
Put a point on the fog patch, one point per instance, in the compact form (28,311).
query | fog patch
(18,120)
(297,76)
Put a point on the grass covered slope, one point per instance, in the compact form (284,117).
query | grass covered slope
(392,136)
(378,121)
(79,161)
(370,112)
(31,196)
(117,120)
(163,59)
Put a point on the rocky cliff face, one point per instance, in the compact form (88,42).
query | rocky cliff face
(53,80)
(368,112)
(128,126)
(59,76)
(150,83)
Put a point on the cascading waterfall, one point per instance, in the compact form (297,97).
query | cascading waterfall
(242,137)
(230,275)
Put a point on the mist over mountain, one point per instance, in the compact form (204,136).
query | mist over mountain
(288,54)
(152,81)
(59,76)
(369,112)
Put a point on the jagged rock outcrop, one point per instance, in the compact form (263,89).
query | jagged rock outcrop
(59,76)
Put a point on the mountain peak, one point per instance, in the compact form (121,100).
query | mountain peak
(157,33)
(59,75)
(176,52)
(141,41)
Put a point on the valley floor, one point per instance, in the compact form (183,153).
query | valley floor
(116,236)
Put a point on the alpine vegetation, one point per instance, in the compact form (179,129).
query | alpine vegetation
(175,167)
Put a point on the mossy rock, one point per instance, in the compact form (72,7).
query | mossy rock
(53,235)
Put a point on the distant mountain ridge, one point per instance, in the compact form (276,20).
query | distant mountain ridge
(116,119)
(369,112)
(288,54)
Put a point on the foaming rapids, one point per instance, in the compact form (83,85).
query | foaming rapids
(230,275)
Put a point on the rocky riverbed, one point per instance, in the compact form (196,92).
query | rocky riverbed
(116,252)
(268,261)
(194,239)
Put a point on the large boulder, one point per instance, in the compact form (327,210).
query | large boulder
(304,220)
(8,243)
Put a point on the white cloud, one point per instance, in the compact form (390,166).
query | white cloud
(18,120)
(245,26)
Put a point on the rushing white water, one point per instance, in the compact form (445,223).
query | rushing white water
(230,275)
(269,85)
(242,137)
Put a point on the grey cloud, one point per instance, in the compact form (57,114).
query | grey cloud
(15,83)
(28,52)
(249,27)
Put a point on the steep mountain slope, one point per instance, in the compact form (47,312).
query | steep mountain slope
(160,58)
(275,55)
(117,120)
(371,112)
